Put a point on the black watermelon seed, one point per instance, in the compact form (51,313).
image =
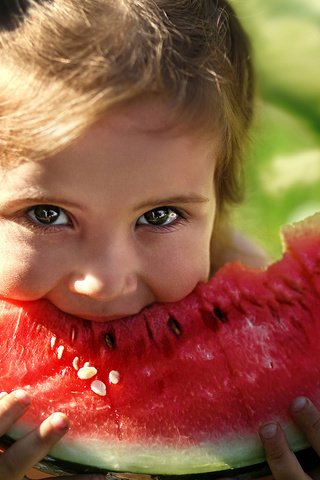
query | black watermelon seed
(110,340)
(175,326)
(220,314)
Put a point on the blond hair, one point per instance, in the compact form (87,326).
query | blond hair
(69,62)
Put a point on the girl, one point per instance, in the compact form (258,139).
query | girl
(123,124)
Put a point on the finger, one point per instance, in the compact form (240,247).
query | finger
(12,407)
(282,462)
(307,417)
(29,450)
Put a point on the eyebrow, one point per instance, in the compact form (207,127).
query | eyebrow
(37,200)
(191,198)
(180,199)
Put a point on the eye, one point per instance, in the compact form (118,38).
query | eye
(48,215)
(159,217)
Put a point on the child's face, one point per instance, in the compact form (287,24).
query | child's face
(119,220)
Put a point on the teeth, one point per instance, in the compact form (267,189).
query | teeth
(99,388)
(87,372)
(114,377)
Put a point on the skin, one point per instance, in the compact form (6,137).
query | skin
(130,200)
(282,461)
(114,261)
(102,257)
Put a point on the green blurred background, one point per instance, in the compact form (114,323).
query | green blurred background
(283,165)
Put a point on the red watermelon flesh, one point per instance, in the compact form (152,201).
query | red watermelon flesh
(186,384)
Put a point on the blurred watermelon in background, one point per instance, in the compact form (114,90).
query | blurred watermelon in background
(283,165)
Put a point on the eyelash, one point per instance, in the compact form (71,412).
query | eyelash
(181,219)
(25,218)
(44,228)
(171,227)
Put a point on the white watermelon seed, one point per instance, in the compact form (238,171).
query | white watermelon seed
(114,377)
(86,372)
(60,350)
(99,388)
(53,341)
(75,363)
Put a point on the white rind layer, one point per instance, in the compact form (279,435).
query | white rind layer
(162,459)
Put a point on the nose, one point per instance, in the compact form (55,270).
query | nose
(105,289)
(105,277)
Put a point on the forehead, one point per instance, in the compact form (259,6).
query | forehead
(144,132)
(143,136)
(149,114)
(155,114)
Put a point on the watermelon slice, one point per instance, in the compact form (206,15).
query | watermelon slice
(179,388)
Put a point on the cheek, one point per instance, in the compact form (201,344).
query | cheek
(24,275)
(177,271)
(17,279)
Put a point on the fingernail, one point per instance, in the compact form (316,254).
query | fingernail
(3,394)
(23,397)
(269,430)
(59,420)
(298,404)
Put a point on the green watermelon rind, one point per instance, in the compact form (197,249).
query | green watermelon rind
(228,455)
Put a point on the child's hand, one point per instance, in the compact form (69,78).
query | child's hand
(282,462)
(26,452)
